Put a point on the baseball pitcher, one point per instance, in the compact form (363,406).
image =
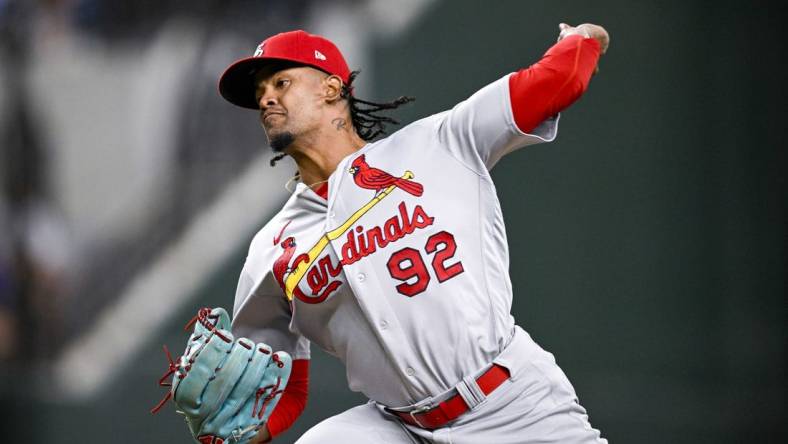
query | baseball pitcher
(391,255)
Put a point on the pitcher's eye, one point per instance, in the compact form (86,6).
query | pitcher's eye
(281,83)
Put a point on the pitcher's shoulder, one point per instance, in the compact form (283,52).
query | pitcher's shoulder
(267,237)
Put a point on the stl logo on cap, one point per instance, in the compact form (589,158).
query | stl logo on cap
(259,51)
(319,55)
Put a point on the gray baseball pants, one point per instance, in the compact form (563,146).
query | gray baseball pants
(536,405)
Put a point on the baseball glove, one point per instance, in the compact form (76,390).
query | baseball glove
(225,387)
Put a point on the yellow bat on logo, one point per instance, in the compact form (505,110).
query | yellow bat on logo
(296,275)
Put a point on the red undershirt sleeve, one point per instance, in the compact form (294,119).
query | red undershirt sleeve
(554,82)
(293,399)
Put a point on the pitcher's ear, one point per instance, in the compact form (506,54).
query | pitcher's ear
(333,88)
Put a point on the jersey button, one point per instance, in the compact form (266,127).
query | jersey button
(332,215)
(361,277)
(384,325)
(410,371)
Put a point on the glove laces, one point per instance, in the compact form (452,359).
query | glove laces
(164,381)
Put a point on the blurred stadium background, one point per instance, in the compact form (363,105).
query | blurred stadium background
(648,241)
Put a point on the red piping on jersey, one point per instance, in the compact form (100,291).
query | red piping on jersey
(293,400)
(554,82)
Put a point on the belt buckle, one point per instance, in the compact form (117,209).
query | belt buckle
(422,409)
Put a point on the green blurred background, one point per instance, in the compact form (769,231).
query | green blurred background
(647,241)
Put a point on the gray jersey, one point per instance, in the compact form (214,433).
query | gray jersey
(402,273)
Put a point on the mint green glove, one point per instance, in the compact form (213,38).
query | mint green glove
(226,387)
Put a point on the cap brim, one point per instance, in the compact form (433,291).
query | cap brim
(237,82)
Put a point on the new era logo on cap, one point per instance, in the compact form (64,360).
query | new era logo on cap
(319,55)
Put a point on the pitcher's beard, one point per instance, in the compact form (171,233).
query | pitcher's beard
(279,142)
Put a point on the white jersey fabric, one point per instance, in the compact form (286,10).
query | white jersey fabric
(409,289)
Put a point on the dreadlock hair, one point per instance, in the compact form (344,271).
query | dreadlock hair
(277,158)
(364,114)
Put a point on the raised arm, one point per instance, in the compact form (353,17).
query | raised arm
(562,75)
(521,109)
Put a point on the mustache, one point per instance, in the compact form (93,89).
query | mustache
(269,111)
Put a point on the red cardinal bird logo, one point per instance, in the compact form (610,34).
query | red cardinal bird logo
(371,178)
(282,263)
(282,267)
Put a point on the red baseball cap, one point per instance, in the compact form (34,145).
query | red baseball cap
(237,83)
